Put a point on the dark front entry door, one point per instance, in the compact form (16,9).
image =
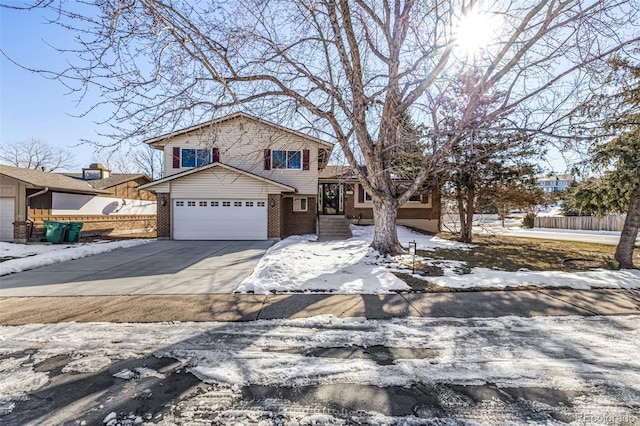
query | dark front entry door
(330,198)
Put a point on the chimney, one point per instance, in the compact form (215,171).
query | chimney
(95,171)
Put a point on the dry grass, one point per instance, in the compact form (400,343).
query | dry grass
(512,253)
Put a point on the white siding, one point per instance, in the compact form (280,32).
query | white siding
(241,143)
(72,204)
(221,183)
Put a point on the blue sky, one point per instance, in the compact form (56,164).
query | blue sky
(32,106)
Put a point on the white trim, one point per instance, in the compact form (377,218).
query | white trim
(286,156)
(368,204)
(188,172)
(157,139)
(297,204)
(182,149)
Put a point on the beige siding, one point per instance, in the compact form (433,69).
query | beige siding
(161,188)
(11,188)
(221,183)
(241,143)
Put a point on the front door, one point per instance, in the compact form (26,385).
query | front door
(330,195)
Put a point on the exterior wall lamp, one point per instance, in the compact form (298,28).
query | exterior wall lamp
(272,202)
(163,201)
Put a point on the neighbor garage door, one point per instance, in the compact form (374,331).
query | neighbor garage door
(220,219)
(7,206)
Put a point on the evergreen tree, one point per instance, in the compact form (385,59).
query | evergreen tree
(618,158)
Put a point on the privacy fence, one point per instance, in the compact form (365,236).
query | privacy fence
(592,223)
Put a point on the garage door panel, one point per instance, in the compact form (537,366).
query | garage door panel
(219,219)
(7,211)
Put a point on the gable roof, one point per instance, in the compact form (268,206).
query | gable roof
(221,165)
(113,180)
(155,140)
(53,181)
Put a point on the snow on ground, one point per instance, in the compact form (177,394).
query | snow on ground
(30,256)
(567,353)
(301,263)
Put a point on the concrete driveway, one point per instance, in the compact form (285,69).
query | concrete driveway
(160,267)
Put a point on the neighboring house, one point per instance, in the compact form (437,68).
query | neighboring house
(340,194)
(105,202)
(555,183)
(244,178)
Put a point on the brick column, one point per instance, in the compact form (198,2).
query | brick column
(274,216)
(164,216)
(20,231)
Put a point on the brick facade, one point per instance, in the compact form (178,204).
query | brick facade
(425,218)
(298,223)
(20,231)
(164,216)
(274,218)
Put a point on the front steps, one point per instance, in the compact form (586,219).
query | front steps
(333,228)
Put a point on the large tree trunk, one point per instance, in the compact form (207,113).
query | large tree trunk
(385,237)
(465,233)
(624,251)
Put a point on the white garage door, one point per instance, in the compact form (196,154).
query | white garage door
(220,219)
(7,206)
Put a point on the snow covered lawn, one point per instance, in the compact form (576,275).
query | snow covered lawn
(29,256)
(303,264)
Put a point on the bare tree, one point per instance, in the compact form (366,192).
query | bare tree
(348,70)
(132,159)
(36,154)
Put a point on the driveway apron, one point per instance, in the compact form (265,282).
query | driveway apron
(160,267)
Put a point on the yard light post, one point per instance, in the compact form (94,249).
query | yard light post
(412,251)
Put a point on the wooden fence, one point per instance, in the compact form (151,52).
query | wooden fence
(608,223)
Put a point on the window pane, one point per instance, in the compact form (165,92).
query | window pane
(294,160)
(278,159)
(204,157)
(188,158)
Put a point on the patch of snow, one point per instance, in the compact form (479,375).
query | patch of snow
(484,277)
(30,256)
(301,263)
(111,416)
(508,351)
(149,372)
(87,364)
(125,374)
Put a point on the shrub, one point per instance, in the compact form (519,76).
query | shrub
(527,222)
(610,263)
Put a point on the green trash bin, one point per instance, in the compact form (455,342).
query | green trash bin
(54,231)
(73,232)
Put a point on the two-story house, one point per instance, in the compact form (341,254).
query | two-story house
(238,178)
(244,178)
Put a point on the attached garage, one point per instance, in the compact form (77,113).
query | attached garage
(7,213)
(218,202)
(219,219)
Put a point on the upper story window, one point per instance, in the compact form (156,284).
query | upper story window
(281,159)
(195,157)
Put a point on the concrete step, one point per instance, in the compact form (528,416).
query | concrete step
(333,227)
